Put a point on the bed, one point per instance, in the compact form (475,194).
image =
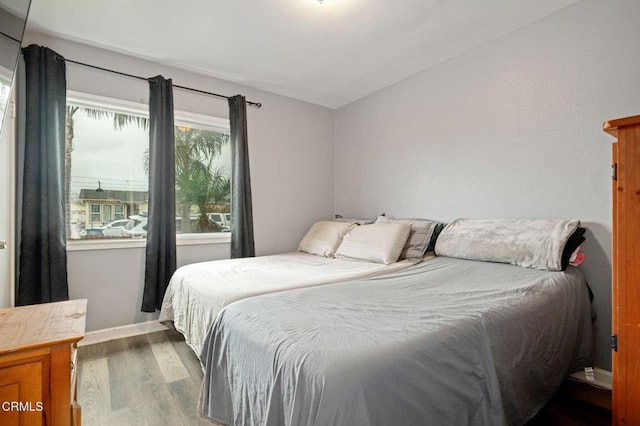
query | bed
(451,341)
(197,292)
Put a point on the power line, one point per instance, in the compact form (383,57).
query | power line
(107,179)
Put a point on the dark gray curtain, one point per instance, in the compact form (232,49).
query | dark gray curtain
(43,255)
(161,232)
(241,208)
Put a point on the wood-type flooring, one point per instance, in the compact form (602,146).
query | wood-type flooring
(154,379)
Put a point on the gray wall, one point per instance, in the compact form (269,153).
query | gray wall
(509,129)
(12,24)
(291,155)
(112,280)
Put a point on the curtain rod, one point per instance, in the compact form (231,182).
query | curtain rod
(217,95)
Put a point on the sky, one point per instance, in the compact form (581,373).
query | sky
(113,157)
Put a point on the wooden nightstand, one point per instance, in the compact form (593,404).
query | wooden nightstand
(38,346)
(577,403)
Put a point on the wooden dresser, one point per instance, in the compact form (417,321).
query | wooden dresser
(626,270)
(38,346)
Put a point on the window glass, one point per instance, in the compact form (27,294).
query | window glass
(118,211)
(202,178)
(95,214)
(5,90)
(107,172)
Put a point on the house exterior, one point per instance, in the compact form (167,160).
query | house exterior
(103,206)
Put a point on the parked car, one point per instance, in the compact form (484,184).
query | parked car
(136,227)
(113,229)
(223,220)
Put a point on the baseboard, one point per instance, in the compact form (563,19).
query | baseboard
(107,334)
(603,378)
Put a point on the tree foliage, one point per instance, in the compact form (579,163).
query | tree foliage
(120,121)
(197,182)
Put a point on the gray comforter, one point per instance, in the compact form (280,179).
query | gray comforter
(447,342)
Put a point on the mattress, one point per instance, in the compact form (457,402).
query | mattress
(447,342)
(197,292)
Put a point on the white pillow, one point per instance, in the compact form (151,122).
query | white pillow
(378,242)
(532,243)
(419,237)
(324,237)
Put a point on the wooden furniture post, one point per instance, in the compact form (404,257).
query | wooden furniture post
(626,269)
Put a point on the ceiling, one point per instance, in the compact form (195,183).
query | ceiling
(329,54)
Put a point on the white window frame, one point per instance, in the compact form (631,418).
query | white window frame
(180,117)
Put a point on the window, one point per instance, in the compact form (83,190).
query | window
(108,181)
(118,212)
(95,214)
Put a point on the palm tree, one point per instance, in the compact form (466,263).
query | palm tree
(196,181)
(203,185)
(221,191)
(119,120)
